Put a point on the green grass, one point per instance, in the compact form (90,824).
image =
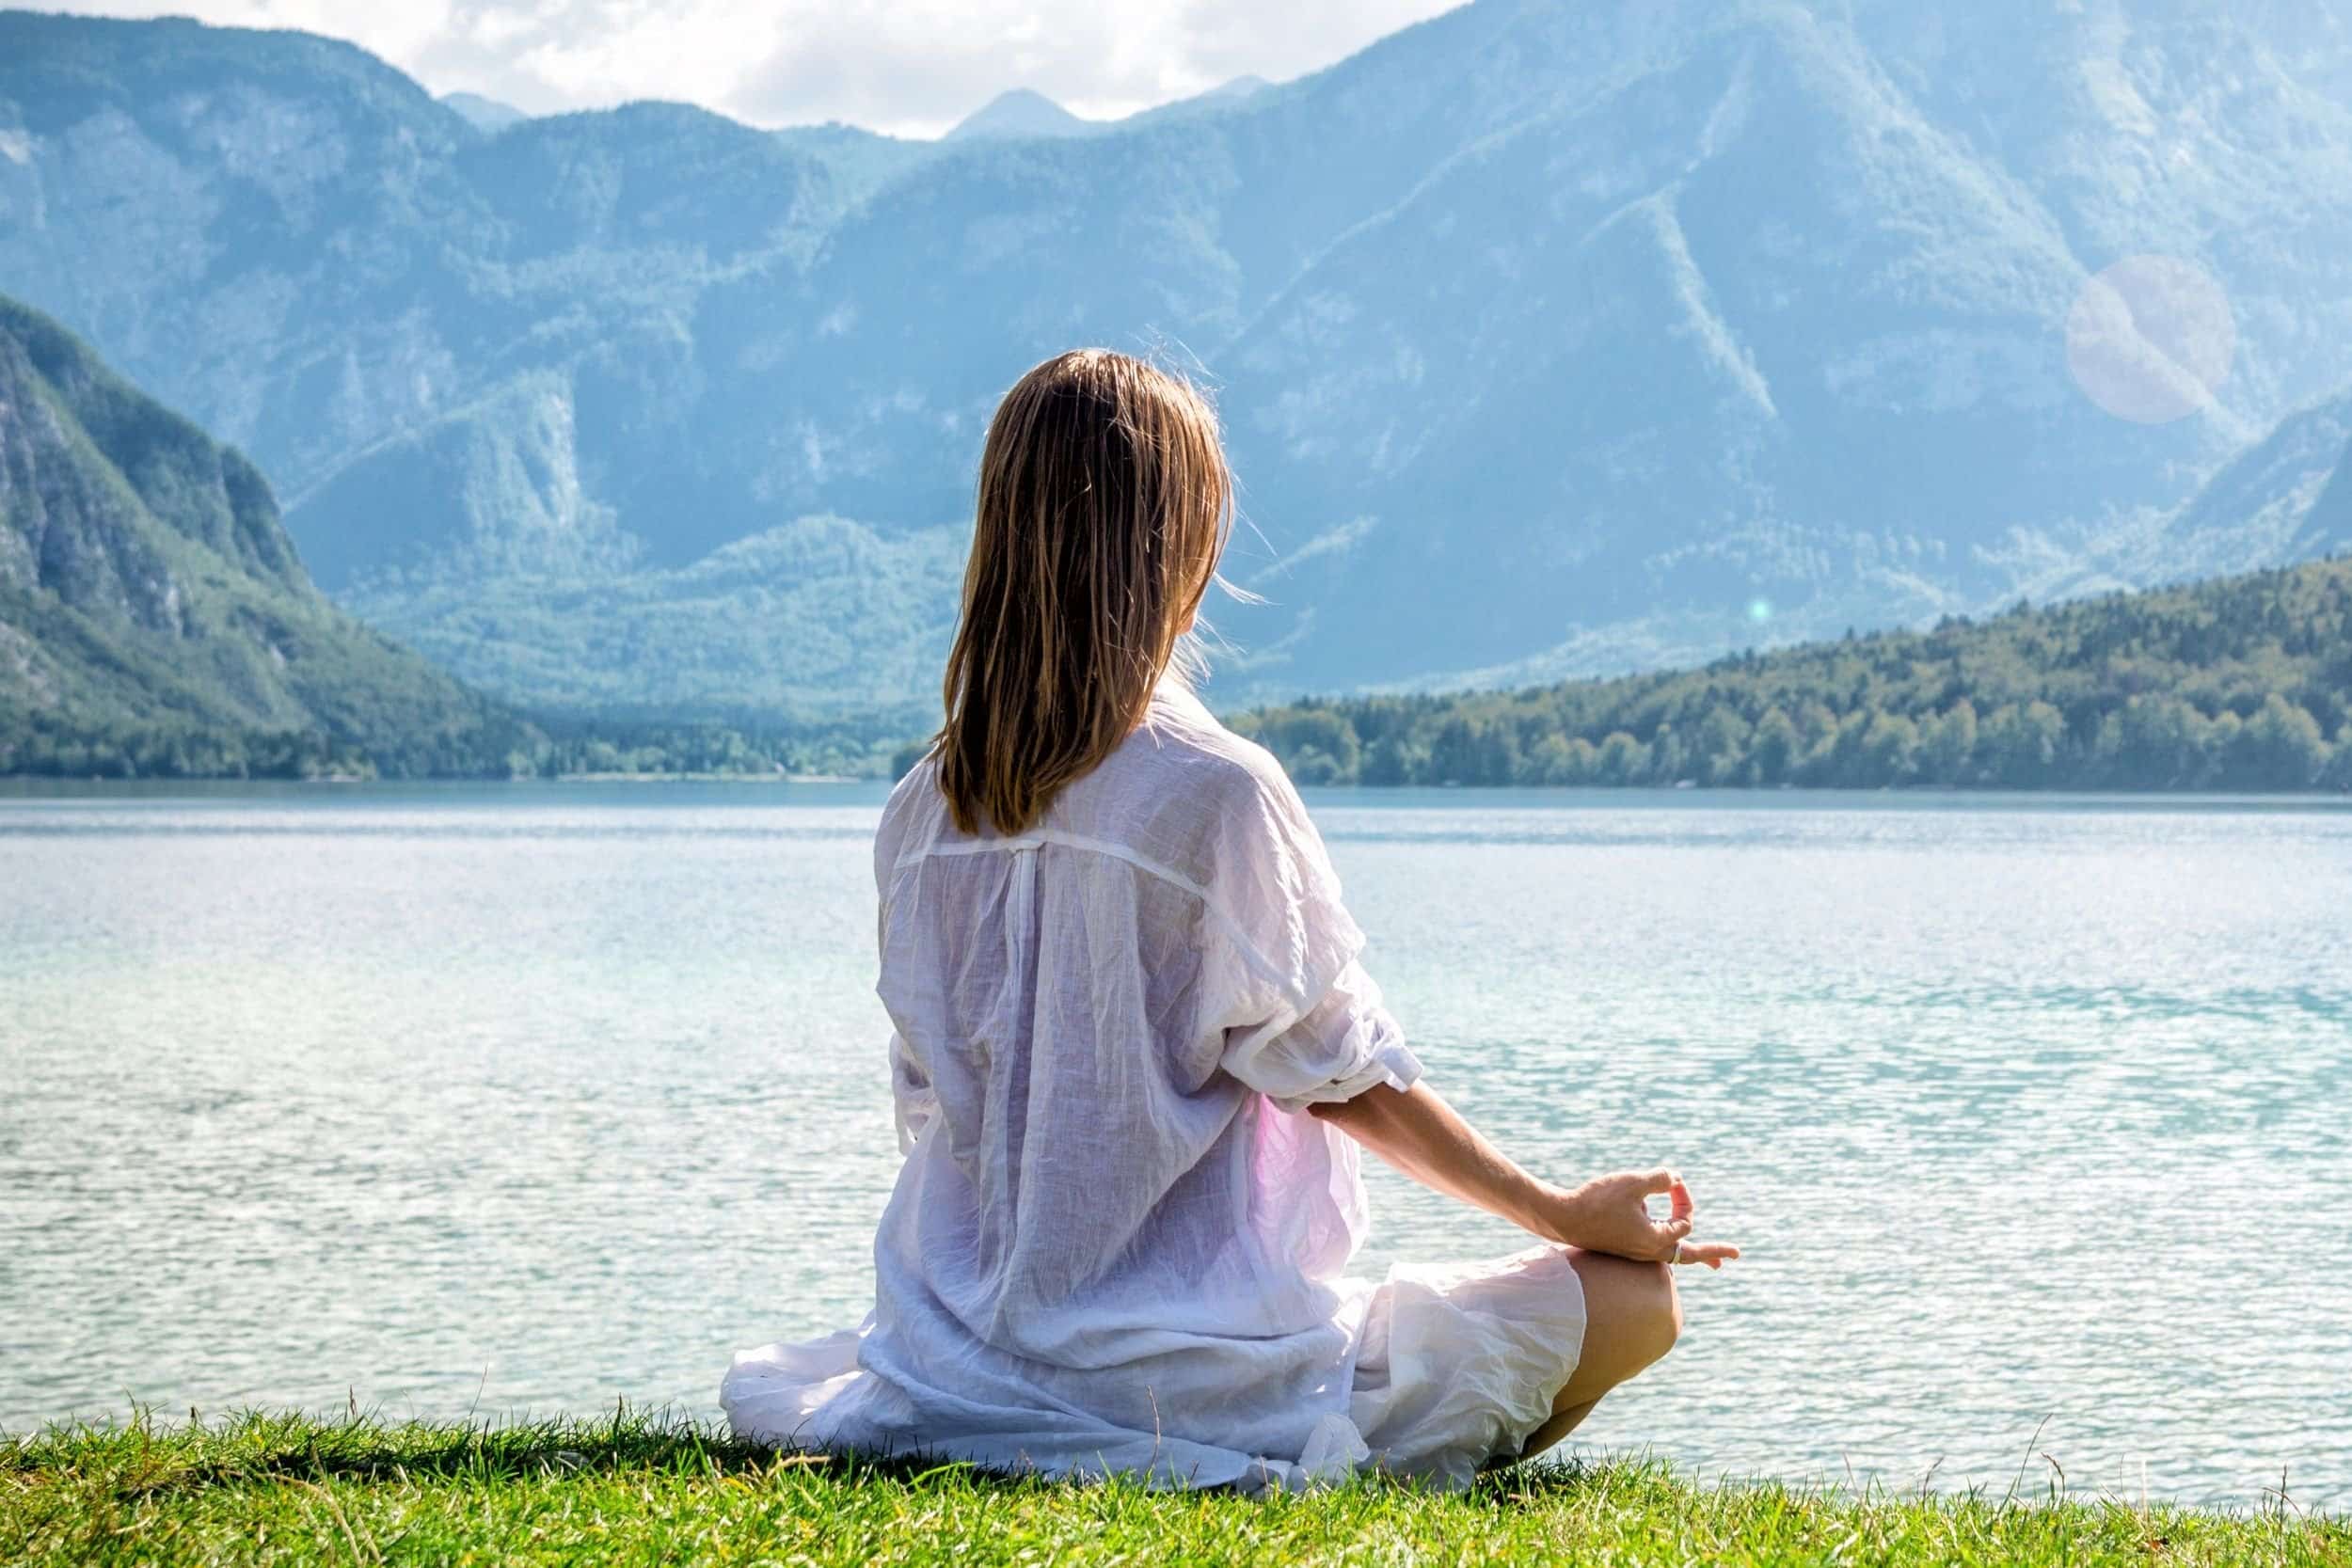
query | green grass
(629,1489)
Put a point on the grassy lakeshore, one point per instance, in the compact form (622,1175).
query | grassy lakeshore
(629,1489)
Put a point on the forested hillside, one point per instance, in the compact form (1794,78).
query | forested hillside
(2239,684)
(154,616)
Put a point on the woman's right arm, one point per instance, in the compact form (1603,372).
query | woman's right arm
(1418,1132)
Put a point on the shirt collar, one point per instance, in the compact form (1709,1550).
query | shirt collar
(1170,691)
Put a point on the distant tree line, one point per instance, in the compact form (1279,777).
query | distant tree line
(2237,684)
(750,746)
(37,746)
(32,746)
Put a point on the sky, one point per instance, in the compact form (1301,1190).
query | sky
(910,68)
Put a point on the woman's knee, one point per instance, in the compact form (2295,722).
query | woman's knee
(1633,1313)
(1662,1321)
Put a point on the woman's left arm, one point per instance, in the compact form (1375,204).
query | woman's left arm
(1424,1137)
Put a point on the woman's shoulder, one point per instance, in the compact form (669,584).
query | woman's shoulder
(918,784)
(1185,794)
(1181,746)
(912,816)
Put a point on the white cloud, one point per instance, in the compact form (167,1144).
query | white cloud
(911,67)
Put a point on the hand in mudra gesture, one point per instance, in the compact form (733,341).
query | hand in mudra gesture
(1418,1132)
(1610,1213)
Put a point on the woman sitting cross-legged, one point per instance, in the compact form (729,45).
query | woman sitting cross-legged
(1134,1053)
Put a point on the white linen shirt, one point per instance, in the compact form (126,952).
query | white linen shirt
(1117,1241)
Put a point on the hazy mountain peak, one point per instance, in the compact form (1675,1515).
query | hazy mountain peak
(1225,97)
(1019,113)
(115,59)
(486,114)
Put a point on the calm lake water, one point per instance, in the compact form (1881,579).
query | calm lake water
(2036,1118)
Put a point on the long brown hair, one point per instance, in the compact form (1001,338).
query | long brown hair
(1104,502)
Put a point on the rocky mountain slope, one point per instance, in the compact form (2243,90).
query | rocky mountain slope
(153,610)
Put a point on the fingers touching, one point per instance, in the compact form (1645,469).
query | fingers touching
(1683,1215)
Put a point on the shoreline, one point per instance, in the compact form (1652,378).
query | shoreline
(36,786)
(694,778)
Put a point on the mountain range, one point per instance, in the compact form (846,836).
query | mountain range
(1551,339)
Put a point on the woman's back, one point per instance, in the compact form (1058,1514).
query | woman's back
(1107,1215)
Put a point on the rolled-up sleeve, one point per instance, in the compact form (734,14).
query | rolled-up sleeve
(1343,1044)
(1303,1022)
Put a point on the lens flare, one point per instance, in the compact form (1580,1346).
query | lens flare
(2150,338)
